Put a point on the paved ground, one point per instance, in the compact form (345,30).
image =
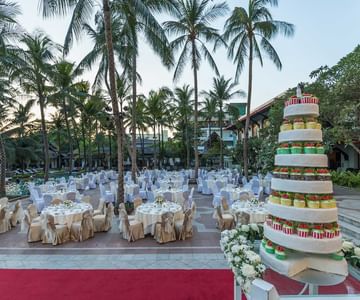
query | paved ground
(110,251)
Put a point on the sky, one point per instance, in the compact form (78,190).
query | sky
(325,31)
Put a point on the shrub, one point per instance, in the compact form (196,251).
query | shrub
(346,178)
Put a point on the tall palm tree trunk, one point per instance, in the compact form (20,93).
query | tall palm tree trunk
(2,167)
(133,121)
(45,138)
(154,146)
(114,103)
(109,136)
(246,134)
(194,65)
(160,154)
(84,142)
(187,145)
(59,152)
(221,140)
(71,151)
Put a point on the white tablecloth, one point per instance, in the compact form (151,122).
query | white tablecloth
(235,193)
(164,184)
(150,213)
(257,214)
(66,215)
(62,195)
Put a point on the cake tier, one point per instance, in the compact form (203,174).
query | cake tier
(297,110)
(302,186)
(301,135)
(308,215)
(301,160)
(308,244)
(298,262)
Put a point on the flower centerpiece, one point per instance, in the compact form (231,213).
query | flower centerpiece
(159,200)
(68,203)
(245,263)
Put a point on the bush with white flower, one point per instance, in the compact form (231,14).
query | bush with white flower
(351,253)
(245,263)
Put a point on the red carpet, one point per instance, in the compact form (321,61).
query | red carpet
(115,284)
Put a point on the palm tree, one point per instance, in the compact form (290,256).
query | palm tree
(32,70)
(209,112)
(56,128)
(82,10)
(21,116)
(9,28)
(250,32)
(183,109)
(222,91)
(63,78)
(192,27)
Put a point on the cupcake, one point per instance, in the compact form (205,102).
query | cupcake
(318,126)
(311,123)
(286,125)
(298,123)
(283,149)
(306,98)
(319,148)
(332,201)
(325,201)
(269,247)
(275,197)
(309,148)
(280,253)
(329,231)
(292,100)
(299,201)
(296,148)
(276,173)
(277,224)
(296,174)
(317,232)
(309,174)
(312,201)
(303,230)
(269,220)
(336,228)
(323,174)
(285,200)
(284,173)
(288,227)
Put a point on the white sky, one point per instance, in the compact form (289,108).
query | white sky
(326,30)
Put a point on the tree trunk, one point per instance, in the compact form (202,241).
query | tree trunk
(187,146)
(45,138)
(154,146)
(246,133)
(194,66)
(133,121)
(221,139)
(109,134)
(143,147)
(71,155)
(114,103)
(84,142)
(2,167)
(160,154)
(59,152)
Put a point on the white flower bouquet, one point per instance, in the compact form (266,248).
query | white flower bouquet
(159,200)
(245,263)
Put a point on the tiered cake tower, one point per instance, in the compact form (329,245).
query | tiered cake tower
(301,231)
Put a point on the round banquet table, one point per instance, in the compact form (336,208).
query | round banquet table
(150,213)
(235,193)
(62,195)
(64,214)
(257,214)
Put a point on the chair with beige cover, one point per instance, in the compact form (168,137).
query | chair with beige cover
(224,205)
(84,229)
(225,221)
(193,208)
(56,202)
(242,218)
(55,234)
(34,229)
(4,220)
(34,217)
(165,230)
(184,228)
(14,215)
(131,230)
(137,203)
(100,208)
(4,201)
(103,222)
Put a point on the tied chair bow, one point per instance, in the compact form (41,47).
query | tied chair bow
(184,228)
(165,230)
(131,230)
(83,230)
(225,221)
